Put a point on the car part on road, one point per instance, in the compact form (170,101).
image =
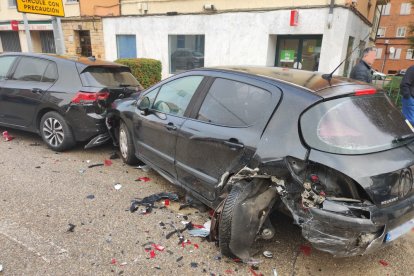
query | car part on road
(96,165)
(149,201)
(71,227)
(7,137)
(55,132)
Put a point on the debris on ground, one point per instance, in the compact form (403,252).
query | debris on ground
(199,232)
(90,197)
(1,268)
(149,201)
(145,168)
(107,162)
(95,165)
(114,155)
(113,261)
(306,249)
(117,186)
(274,272)
(71,227)
(7,137)
(34,144)
(144,179)
(268,254)
(179,259)
(383,262)
(81,171)
(152,254)
(252,270)
(194,265)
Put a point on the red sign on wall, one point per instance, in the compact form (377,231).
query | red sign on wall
(14,25)
(294,17)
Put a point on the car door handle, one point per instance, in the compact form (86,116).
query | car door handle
(37,90)
(234,144)
(170,126)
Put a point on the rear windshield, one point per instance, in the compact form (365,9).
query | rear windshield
(107,77)
(355,125)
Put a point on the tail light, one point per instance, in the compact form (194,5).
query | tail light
(362,92)
(90,97)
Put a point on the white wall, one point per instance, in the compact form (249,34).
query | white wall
(240,38)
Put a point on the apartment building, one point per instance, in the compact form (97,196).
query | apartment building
(394,50)
(183,34)
(12,32)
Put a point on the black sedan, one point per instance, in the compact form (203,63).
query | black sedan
(62,99)
(333,153)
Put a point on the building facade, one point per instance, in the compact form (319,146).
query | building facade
(394,50)
(310,34)
(84,34)
(12,32)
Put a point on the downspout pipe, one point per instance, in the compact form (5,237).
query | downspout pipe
(330,14)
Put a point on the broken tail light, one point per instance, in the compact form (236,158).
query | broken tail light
(90,97)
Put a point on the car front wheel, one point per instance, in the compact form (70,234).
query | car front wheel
(126,146)
(55,132)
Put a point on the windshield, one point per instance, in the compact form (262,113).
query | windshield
(100,76)
(355,125)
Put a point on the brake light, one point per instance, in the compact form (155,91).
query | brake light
(362,92)
(89,97)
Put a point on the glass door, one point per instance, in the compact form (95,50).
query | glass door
(299,52)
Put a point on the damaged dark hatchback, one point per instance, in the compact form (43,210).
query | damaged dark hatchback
(248,141)
(63,99)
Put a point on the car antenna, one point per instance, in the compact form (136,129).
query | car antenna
(328,77)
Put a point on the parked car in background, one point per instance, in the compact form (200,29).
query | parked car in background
(333,153)
(378,75)
(62,99)
(401,72)
(185,59)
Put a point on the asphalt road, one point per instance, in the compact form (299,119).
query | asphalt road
(41,193)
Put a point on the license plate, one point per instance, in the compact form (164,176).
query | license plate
(399,231)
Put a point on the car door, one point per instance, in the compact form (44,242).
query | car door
(6,64)
(223,135)
(23,92)
(156,132)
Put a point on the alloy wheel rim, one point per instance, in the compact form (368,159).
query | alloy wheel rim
(53,132)
(123,146)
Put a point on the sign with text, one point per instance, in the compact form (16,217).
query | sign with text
(45,7)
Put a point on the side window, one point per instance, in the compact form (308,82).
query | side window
(233,103)
(30,69)
(51,73)
(5,64)
(175,95)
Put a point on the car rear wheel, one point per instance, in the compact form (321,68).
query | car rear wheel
(56,132)
(226,220)
(126,146)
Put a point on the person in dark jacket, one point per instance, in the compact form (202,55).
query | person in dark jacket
(407,93)
(362,70)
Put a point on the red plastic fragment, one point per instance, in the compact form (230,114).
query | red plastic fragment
(107,162)
(254,272)
(185,242)
(144,178)
(196,246)
(198,226)
(113,261)
(158,247)
(166,202)
(229,271)
(152,254)
(7,137)
(237,260)
(383,262)
(306,249)
(211,212)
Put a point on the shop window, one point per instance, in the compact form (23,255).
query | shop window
(126,46)
(185,52)
(12,3)
(405,8)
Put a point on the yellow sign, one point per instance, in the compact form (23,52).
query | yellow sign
(46,7)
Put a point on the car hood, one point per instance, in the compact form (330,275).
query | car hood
(379,174)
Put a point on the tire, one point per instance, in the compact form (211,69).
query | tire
(126,145)
(226,220)
(55,132)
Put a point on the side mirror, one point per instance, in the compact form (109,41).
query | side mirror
(144,106)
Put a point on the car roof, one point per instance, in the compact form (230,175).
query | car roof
(87,61)
(309,80)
